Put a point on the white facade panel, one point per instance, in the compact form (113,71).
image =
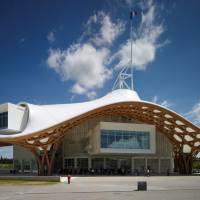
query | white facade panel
(17,118)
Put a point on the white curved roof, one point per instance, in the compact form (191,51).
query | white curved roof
(45,116)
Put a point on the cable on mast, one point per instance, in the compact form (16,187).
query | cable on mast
(125,77)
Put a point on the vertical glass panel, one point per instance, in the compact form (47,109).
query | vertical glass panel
(4,120)
(69,163)
(97,163)
(82,163)
(111,140)
(119,139)
(104,140)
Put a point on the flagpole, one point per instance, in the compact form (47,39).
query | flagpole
(131,38)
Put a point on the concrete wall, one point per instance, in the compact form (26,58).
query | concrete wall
(17,117)
(85,138)
(84,141)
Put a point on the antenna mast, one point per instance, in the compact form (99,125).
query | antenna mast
(125,77)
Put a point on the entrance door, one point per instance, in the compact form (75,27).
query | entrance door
(125,165)
(111,166)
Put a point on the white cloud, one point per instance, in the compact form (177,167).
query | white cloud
(107,32)
(86,62)
(83,64)
(91,95)
(51,37)
(155,99)
(78,89)
(145,41)
(129,2)
(164,103)
(194,114)
(22,40)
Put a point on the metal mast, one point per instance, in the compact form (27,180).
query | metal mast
(125,77)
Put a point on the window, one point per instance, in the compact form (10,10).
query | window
(119,139)
(3,120)
(69,163)
(82,163)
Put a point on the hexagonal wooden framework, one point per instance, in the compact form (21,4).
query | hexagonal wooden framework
(184,136)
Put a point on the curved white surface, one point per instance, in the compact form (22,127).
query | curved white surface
(45,116)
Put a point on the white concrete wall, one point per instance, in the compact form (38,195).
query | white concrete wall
(4,107)
(17,117)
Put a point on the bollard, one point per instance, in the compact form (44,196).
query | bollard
(142,186)
(69,179)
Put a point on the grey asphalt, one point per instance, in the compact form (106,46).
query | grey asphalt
(118,188)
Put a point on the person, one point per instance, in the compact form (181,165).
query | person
(168,172)
(148,172)
(92,171)
(68,178)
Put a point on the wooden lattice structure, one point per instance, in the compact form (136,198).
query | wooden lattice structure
(184,136)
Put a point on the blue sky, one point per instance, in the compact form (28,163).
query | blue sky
(70,51)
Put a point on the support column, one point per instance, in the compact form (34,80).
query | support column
(30,166)
(46,157)
(104,163)
(75,163)
(89,163)
(172,165)
(21,166)
(185,163)
(159,165)
(145,164)
(132,165)
(118,164)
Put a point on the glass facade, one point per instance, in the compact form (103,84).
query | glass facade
(82,163)
(69,163)
(3,120)
(118,139)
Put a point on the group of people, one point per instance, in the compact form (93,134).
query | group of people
(93,171)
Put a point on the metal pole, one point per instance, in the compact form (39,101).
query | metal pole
(131,37)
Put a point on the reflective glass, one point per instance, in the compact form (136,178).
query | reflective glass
(118,139)
(4,120)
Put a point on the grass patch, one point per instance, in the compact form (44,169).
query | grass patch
(6,166)
(25,182)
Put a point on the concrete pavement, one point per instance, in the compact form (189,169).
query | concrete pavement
(162,188)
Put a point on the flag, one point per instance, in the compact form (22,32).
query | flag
(133,13)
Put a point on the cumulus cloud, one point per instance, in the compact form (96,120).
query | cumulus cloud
(107,32)
(83,64)
(89,61)
(51,37)
(164,103)
(129,2)
(145,42)
(194,114)
(86,62)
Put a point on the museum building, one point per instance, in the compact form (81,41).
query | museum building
(115,134)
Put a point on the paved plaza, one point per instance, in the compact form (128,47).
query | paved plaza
(118,188)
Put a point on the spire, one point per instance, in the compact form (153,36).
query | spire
(125,77)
